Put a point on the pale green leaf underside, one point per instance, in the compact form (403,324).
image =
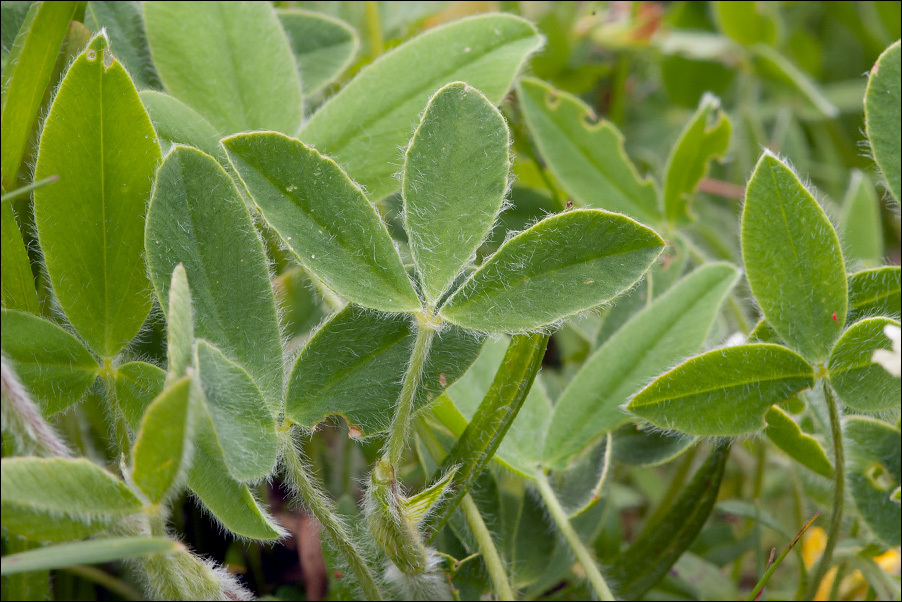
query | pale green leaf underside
(862,224)
(59,499)
(354,364)
(244,426)
(94,551)
(648,447)
(875,292)
(783,431)
(99,140)
(586,156)
(163,447)
(26,76)
(563,265)
(793,260)
(197,218)
(673,326)
(705,138)
(52,364)
(16,279)
(883,116)
(860,383)
(229,61)
(324,218)
(179,325)
(230,501)
(177,123)
(365,124)
(723,392)
(454,180)
(323,47)
(873,470)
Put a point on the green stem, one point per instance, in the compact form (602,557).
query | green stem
(19,192)
(374,28)
(776,563)
(397,439)
(582,553)
(120,425)
(839,494)
(484,541)
(324,511)
(487,548)
(105,580)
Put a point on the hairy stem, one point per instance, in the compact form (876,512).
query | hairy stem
(484,541)
(582,553)
(322,508)
(397,438)
(839,494)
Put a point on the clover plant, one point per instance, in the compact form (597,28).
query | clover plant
(471,329)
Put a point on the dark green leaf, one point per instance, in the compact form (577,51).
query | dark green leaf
(177,123)
(873,469)
(135,386)
(783,431)
(323,47)
(15,267)
(860,383)
(563,265)
(883,116)
(124,25)
(875,292)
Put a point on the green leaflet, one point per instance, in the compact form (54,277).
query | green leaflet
(95,551)
(418,506)
(746,22)
(22,586)
(228,500)
(342,240)
(124,25)
(783,431)
(180,575)
(179,325)
(60,499)
(26,75)
(664,539)
(490,423)
(586,156)
(100,142)
(705,137)
(563,265)
(51,363)
(873,470)
(163,448)
(861,222)
(363,126)
(323,47)
(229,61)
(194,203)
(675,325)
(243,424)
(751,511)
(793,260)
(177,123)
(723,392)
(875,292)
(859,382)
(454,181)
(882,116)
(135,386)
(354,364)
(648,447)
(521,448)
(16,279)
(764,333)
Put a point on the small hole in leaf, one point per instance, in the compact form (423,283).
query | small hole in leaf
(91,55)
(879,477)
(590,120)
(552,99)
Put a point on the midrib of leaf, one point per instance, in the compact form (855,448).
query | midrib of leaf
(323,227)
(339,375)
(239,93)
(873,299)
(339,142)
(101,56)
(622,376)
(538,274)
(731,385)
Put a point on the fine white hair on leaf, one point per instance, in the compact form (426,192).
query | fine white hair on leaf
(23,421)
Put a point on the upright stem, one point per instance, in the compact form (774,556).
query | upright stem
(397,438)
(839,494)
(484,541)
(374,28)
(324,511)
(582,553)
